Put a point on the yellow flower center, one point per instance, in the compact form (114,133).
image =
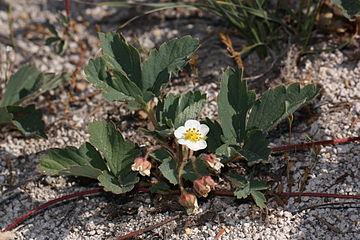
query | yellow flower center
(193,134)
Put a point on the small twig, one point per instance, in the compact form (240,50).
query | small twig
(138,232)
(322,205)
(48,204)
(327,224)
(310,145)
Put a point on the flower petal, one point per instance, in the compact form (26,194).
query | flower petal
(195,146)
(204,129)
(192,124)
(182,141)
(179,133)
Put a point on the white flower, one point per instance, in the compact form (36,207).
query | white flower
(192,135)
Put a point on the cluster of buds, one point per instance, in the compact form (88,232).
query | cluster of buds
(203,186)
(189,202)
(212,161)
(142,165)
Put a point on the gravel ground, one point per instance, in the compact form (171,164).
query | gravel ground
(105,216)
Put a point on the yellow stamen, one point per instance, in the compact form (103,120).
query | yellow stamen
(193,135)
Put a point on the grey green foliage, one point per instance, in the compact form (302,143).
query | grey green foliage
(27,82)
(234,101)
(112,168)
(28,120)
(351,8)
(168,59)
(84,161)
(175,109)
(122,76)
(245,120)
(276,104)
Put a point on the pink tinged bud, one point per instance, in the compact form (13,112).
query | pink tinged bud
(142,166)
(200,188)
(189,201)
(209,181)
(203,186)
(212,161)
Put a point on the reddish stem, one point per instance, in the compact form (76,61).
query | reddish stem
(67,8)
(327,195)
(47,204)
(309,145)
(151,150)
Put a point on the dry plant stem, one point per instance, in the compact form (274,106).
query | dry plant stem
(309,145)
(48,204)
(138,232)
(324,205)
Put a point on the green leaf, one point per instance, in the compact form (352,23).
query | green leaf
(255,148)
(5,116)
(214,140)
(85,161)
(277,104)
(159,188)
(351,8)
(256,184)
(190,105)
(52,40)
(191,174)
(28,82)
(159,133)
(234,102)
(247,188)
(237,180)
(118,153)
(160,155)
(121,83)
(167,108)
(259,198)
(242,192)
(52,29)
(28,120)
(112,183)
(170,58)
(121,56)
(97,74)
(179,108)
(169,170)
(227,152)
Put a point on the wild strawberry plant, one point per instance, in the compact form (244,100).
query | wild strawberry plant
(27,82)
(188,155)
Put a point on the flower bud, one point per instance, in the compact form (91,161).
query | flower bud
(141,165)
(203,185)
(212,161)
(189,201)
